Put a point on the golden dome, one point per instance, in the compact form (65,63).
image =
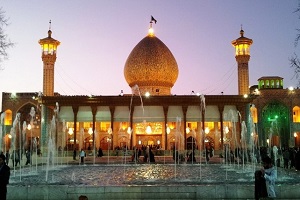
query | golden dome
(152,67)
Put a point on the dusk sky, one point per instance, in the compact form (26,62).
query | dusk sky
(98,35)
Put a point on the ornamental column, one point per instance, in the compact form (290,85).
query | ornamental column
(242,56)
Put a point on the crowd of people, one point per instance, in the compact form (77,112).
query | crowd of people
(286,157)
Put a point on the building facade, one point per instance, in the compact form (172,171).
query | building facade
(267,114)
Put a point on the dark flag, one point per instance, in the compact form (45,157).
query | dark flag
(153,20)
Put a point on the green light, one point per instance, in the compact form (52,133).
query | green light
(276,116)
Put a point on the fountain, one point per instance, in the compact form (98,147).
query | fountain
(125,180)
(83,178)
(51,142)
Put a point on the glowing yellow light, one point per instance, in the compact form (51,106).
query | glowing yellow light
(226,129)
(70,131)
(168,130)
(148,130)
(295,134)
(242,49)
(206,130)
(187,130)
(90,131)
(151,31)
(129,130)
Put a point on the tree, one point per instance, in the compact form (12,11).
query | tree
(5,43)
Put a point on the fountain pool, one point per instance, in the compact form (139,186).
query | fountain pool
(135,181)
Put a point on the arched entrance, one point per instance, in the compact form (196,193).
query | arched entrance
(275,125)
(209,142)
(191,143)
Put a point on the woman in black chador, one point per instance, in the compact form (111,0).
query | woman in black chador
(151,155)
(4,177)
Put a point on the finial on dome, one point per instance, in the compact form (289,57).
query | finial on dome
(151,31)
(241,31)
(49,32)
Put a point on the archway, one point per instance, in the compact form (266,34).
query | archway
(275,124)
(209,142)
(191,143)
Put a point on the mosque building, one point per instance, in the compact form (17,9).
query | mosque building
(260,115)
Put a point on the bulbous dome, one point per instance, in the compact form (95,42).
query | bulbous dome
(152,67)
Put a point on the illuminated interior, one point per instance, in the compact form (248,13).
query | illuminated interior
(242,49)
(8,118)
(296,114)
(253,111)
(149,128)
(49,48)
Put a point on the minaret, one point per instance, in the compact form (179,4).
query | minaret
(49,46)
(242,56)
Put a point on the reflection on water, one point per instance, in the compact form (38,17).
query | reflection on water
(148,174)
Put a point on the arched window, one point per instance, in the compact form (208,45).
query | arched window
(296,114)
(277,84)
(272,84)
(253,111)
(8,117)
(267,84)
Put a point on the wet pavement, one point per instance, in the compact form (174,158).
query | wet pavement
(120,171)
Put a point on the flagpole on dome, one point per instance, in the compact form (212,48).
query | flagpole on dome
(151,31)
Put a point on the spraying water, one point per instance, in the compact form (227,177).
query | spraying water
(63,141)
(51,141)
(13,133)
(2,116)
(201,141)
(33,143)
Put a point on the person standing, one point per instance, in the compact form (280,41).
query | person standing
(270,174)
(4,177)
(7,157)
(100,152)
(74,154)
(28,157)
(297,159)
(286,157)
(82,155)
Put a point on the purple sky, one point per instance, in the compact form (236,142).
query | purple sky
(97,37)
